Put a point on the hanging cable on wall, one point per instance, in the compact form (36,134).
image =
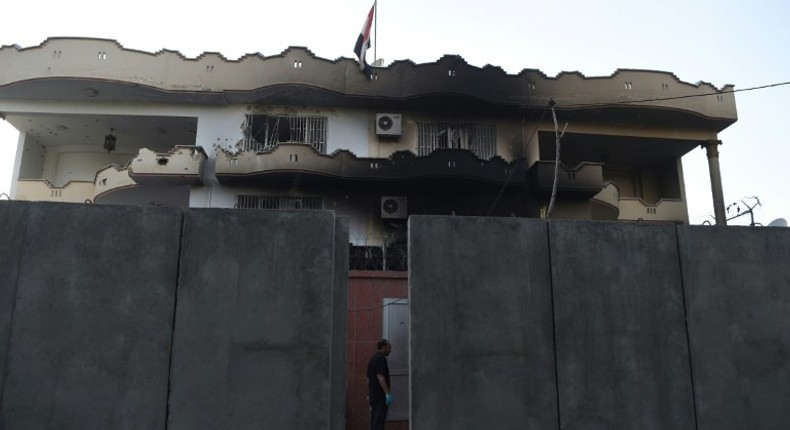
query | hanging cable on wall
(400,300)
(510,174)
(557,137)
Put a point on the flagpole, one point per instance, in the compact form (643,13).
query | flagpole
(376,27)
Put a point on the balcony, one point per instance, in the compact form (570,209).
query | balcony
(110,180)
(286,161)
(183,165)
(42,190)
(584,179)
(634,209)
(606,204)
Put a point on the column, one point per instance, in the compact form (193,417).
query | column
(715,180)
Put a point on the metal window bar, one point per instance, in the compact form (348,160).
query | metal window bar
(279,202)
(483,140)
(249,143)
(394,255)
(427,140)
(478,138)
(311,130)
(278,129)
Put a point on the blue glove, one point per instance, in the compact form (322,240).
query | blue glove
(388,399)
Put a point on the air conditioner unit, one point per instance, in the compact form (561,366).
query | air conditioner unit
(394,207)
(388,124)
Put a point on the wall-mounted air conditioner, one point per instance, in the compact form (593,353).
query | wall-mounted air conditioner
(394,207)
(388,124)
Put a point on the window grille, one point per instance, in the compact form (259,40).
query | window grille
(394,255)
(264,132)
(279,202)
(478,138)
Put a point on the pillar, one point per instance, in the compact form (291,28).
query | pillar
(715,180)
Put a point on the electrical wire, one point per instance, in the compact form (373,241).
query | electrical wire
(623,102)
(507,180)
(688,96)
(378,307)
(557,138)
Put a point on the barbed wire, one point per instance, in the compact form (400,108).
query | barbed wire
(392,257)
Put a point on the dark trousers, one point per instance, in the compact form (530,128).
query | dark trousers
(378,414)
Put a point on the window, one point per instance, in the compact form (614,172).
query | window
(278,202)
(478,138)
(264,132)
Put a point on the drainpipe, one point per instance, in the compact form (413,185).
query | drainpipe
(715,180)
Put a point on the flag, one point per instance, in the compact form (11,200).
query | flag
(363,42)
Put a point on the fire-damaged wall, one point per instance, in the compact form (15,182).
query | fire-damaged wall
(590,325)
(136,317)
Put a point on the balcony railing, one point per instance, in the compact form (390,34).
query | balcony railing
(606,204)
(634,209)
(584,178)
(183,165)
(112,178)
(41,190)
(288,158)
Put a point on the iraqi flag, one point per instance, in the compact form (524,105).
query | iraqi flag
(363,42)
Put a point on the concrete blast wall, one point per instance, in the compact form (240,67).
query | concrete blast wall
(254,320)
(481,331)
(92,316)
(622,354)
(523,324)
(153,318)
(738,297)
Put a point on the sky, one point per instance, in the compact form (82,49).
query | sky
(737,42)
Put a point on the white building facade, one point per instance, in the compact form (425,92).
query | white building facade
(294,131)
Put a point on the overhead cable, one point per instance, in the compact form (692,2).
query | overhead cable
(658,99)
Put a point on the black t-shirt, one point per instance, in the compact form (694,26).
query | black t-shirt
(377,366)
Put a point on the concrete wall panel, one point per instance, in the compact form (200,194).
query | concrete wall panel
(482,354)
(13,217)
(254,326)
(337,382)
(737,281)
(622,353)
(93,316)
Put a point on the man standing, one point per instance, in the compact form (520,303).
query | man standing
(379,385)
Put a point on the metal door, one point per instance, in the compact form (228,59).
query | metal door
(396,330)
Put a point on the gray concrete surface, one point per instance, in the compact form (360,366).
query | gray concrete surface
(13,217)
(737,282)
(253,333)
(88,300)
(482,355)
(339,309)
(92,321)
(622,351)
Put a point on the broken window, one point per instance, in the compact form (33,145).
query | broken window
(264,132)
(278,202)
(478,138)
